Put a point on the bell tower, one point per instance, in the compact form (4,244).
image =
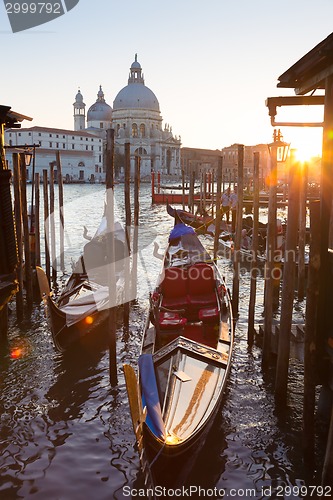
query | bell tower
(79,112)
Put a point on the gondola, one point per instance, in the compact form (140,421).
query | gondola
(83,305)
(184,362)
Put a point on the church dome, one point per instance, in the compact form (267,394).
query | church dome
(136,95)
(100,110)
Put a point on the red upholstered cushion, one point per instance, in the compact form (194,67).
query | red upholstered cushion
(171,321)
(201,279)
(174,283)
(203,300)
(209,314)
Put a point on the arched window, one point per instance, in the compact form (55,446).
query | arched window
(134,130)
(141,151)
(142,130)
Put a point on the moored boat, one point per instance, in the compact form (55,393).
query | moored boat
(83,305)
(184,362)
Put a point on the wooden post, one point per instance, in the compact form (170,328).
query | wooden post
(37,220)
(212,192)
(310,340)
(254,262)
(128,230)
(46,225)
(134,274)
(281,381)
(269,267)
(52,226)
(109,163)
(302,231)
(218,207)
(27,255)
(327,475)
(18,224)
(239,223)
(153,186)
(183,188)
(61,212)
(191,192)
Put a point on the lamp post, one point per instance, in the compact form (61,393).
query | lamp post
(278,151)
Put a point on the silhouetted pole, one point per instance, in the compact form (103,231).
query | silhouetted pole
(27,255)
(269,267)
(218,207)
(18,224)
(128,221)
(238,236)
(254,249)
(46,224)
(109,164)
(134,276)
(302,231)
(37,218)
(310,340)
(183,188)
(52,226)
(61,211)
(288,285)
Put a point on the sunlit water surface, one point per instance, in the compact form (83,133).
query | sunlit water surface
(66,434)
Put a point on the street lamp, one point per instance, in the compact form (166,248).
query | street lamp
(278,149)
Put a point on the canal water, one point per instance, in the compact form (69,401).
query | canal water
(66,434)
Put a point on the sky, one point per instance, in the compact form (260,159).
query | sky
(211,64)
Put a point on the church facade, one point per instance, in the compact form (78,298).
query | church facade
(137,120)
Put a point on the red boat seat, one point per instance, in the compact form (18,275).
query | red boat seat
(209,315)
(202,285)
(174,288)
(171,321)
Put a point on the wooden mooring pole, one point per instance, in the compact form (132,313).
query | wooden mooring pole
(302,230)
(52,226)
(128,218)
(61,212)
(310,340)
(134,274)
(218,207)
(269,267)
(288,286)
(37,220)
(27,254)
(254,262)
(46,224)
(18,224)
(239,223)
(111,270)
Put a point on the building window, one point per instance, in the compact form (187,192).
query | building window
(134,130)
(100,148)
(72,146)
(86,138)
(87,148)
(57,136)
(57,144)
(92,148)
(142,130)
(101,125)
(100,158)
(64,145)
(39,134)
(40,143)
(11,134)
(81,138)
(19,134)
(50,143)
(50,135)
(64,137)
(29,133)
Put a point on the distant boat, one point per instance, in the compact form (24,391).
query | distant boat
(185,360)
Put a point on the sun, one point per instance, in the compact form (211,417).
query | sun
(304,152)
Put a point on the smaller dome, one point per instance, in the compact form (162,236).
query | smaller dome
(100,110)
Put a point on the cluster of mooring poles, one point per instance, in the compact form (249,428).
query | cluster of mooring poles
(131,243)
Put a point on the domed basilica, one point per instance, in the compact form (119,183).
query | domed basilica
(136,118)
